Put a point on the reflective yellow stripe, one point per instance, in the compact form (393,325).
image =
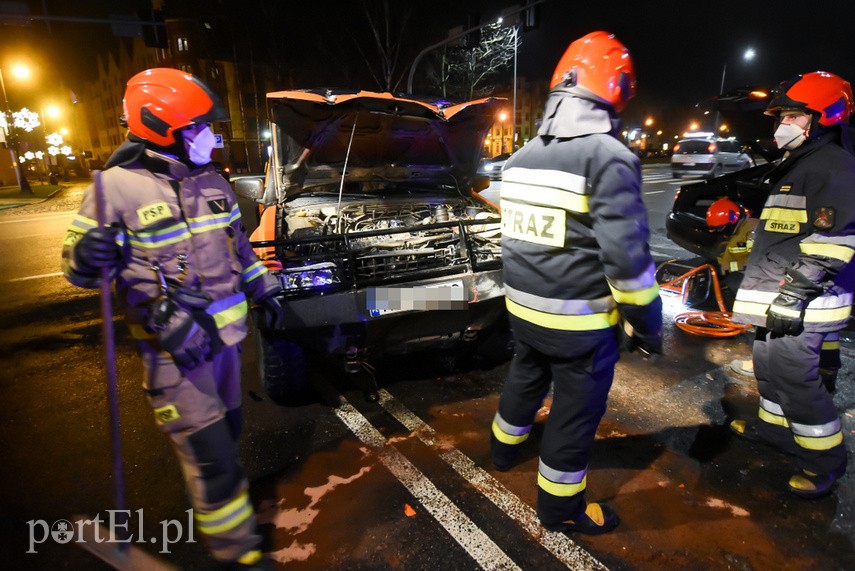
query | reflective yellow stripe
(545,196)
(224,511)
(227,517)
(843,253)
(830,345)
(638,297)
(774,419)
(820,443)
(831,315)
(586,322)
(506,438)
(561,490)
(230,315)
(238,518)
(827,315)
(783,214)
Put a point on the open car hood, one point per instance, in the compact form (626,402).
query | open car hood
(394,139)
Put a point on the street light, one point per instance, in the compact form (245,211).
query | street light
(11,135)
(747,55)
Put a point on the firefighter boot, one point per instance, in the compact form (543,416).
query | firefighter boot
(595,520)
(253,560)
(809,485)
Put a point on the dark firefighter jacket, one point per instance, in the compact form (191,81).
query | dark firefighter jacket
(184,222)
(574,229)
(807,223)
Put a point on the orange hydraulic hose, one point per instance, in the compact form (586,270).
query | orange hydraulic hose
(703,323)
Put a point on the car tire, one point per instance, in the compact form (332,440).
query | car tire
(282,370)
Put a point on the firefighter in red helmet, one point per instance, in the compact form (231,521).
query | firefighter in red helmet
(576,263)
(798,284)
(183,271)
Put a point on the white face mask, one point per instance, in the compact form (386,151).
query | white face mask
(200,148)
(789,136)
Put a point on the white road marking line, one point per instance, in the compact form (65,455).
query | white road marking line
(464,531)
(48,217)
(561,546)
(54,274)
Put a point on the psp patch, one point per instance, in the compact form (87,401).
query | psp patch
(218,206)
(824,218)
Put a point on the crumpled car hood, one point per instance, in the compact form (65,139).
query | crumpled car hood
(382,137)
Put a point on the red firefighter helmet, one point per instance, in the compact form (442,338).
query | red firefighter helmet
(161,100)
(823,93)
(601,66)
(724,212)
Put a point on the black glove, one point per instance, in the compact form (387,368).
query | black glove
(98,249)
(649,346)
(179,334)
(786,314)
(272,313)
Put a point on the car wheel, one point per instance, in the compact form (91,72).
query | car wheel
(282,370)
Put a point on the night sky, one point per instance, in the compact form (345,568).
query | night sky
(679,48)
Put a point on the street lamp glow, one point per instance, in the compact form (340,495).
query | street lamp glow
(21,71)
(649,121)
(749,54)
(52,111)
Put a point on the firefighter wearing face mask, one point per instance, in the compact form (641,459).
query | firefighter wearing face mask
(576,261)
(183,271)
(800,277)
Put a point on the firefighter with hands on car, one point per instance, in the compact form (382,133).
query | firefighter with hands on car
(183,268)
(800,277)
(577,265)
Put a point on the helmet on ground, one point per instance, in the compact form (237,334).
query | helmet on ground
(598,67)
(824,94)
(724,212)
(160,101)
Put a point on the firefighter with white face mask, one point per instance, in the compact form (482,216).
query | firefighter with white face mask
(799,280)
(576,263)
(184,271)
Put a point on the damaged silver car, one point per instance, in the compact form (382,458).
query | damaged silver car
(371,219)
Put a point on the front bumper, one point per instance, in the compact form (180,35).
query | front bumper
(337,323)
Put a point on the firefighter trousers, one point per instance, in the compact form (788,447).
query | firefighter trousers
(796,411)
(580,369)
(200,412)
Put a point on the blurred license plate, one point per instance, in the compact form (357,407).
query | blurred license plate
(689,164)
(433,297)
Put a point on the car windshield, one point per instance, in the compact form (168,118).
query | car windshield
(693,147)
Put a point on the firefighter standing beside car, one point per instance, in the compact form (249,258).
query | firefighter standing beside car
(183,268)
(799,279)
(576,261)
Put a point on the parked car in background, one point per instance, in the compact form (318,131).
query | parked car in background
(704,155)
(686,224)
(493,167)
(372,221)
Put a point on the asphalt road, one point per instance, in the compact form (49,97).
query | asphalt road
(404,483)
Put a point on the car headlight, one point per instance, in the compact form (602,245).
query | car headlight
(310,278)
